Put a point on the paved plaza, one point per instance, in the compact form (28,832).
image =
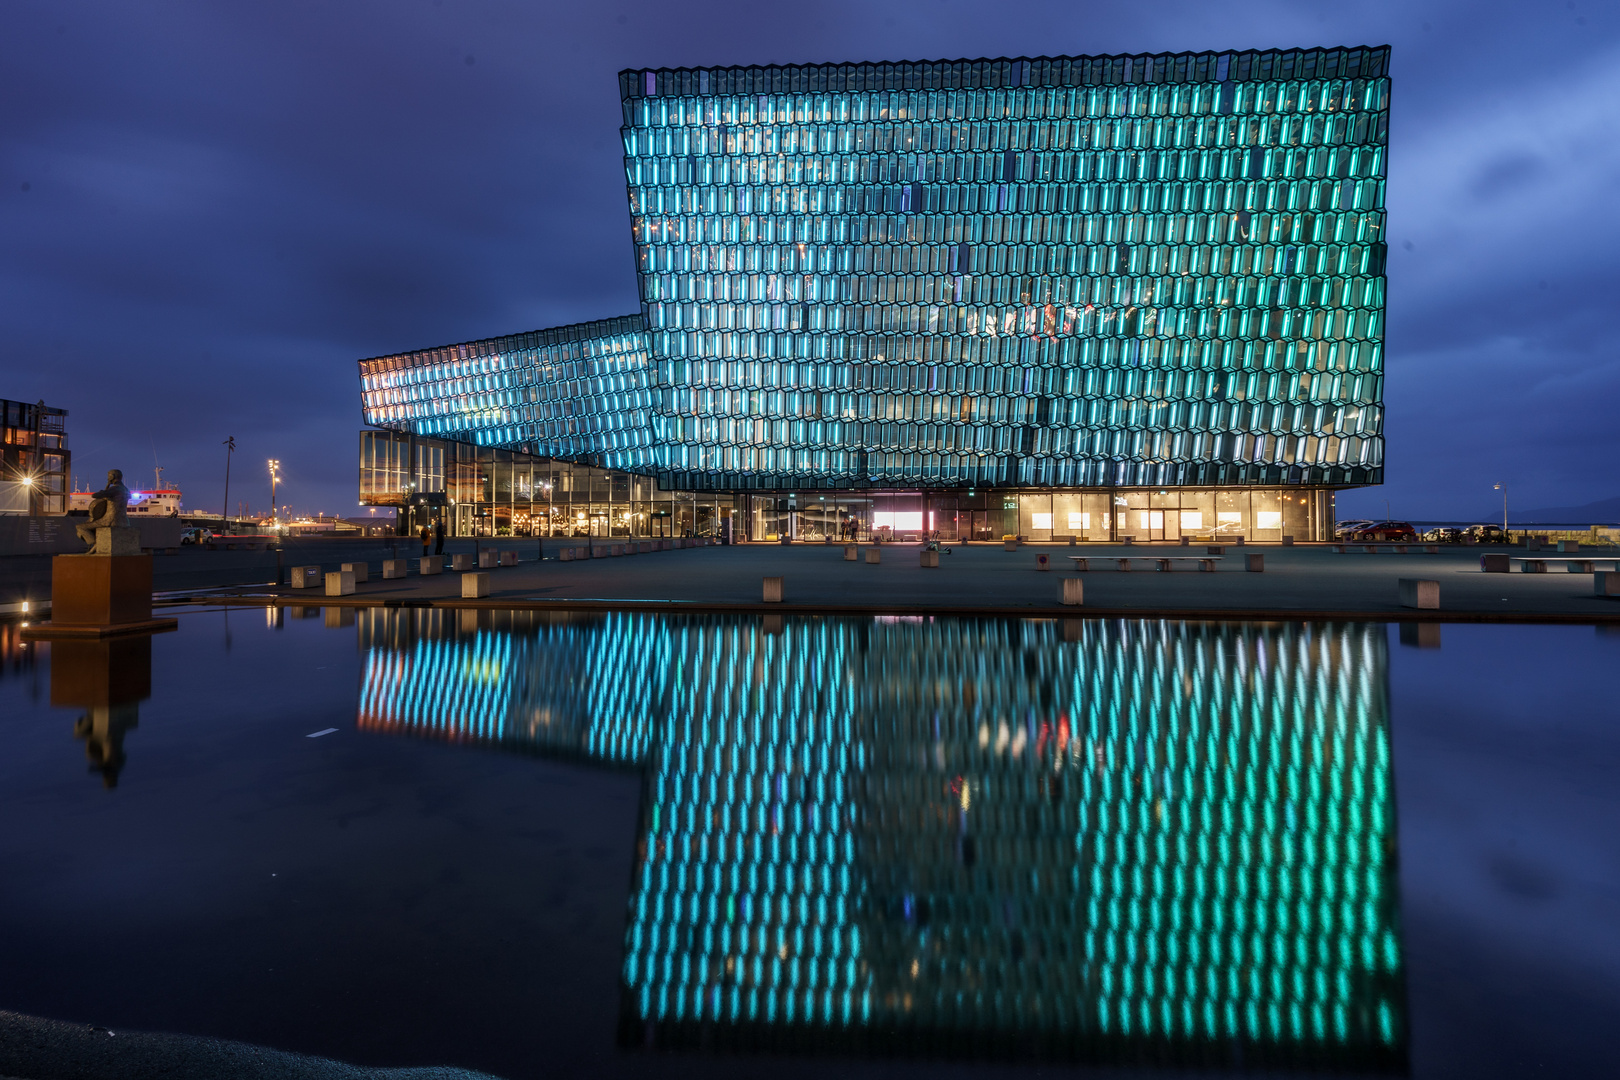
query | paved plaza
(1296,581)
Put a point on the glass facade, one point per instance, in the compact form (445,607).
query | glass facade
(1086,839)
(1083,271)
(1132,296)
(491,491)
(578,392)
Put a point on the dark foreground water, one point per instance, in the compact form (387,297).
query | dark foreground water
(624,845)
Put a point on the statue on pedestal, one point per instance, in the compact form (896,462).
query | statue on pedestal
(109,509)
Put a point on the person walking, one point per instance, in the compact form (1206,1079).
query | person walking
(438,537)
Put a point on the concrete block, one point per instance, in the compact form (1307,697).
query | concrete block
(565,555)
(1009,545)
(773,590)
(468,561)
(1256,563)
(851,552)
(1185,540)
(1042,563)
(873,556)
(394,569)
(1494,564)
(474,585)
(1215,549)
(931,559)
(1127,540)
(1288,541)
(615,550)
(1074,591)
(432,564)
(340,583)
(1569,547)
(488,559)
(117,540)
(1606,583)
(306,577)
(360,570)
(509,558)
(1237,541)
(1418,593)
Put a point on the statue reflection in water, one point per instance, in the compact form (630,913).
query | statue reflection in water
(1095,840)
(107,678)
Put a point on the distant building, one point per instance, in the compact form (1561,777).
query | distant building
(34,458)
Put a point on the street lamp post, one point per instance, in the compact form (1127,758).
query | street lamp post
(1502,487)
(275,464)
(225,511)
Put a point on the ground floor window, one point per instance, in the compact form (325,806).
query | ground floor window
(1258,514)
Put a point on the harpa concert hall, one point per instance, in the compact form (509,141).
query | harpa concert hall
(1075,296)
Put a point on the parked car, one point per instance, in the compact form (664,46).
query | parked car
(1487,534)
(1444,534)
(1344,528)
(195,536)
(1397,531)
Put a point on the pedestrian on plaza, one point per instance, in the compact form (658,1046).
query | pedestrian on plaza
(438,537)
(426,537)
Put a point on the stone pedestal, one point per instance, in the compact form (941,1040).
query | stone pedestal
(98,595)
(118,540)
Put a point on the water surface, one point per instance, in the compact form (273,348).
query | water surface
(640,845)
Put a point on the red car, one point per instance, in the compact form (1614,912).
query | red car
(1397,531)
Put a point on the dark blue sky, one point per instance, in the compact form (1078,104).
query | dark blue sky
(208,212)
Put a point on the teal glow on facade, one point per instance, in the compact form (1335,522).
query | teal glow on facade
(1091,840)
(579,393)
(1062,272)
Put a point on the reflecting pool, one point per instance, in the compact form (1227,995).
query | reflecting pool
(534,843)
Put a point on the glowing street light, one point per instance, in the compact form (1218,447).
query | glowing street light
(275,475)
(1502,487)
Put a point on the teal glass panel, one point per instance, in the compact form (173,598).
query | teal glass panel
(1071,271)
(576,393)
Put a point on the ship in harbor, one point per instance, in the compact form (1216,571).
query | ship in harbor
(158,501)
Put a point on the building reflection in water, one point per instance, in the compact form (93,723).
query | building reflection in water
(1097,840)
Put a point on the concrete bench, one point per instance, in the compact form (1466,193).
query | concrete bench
(432,564)
(474,585)
(1528,565)
(360,570)
(1205,562)
(393,569)
(306,577)
(340,583)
